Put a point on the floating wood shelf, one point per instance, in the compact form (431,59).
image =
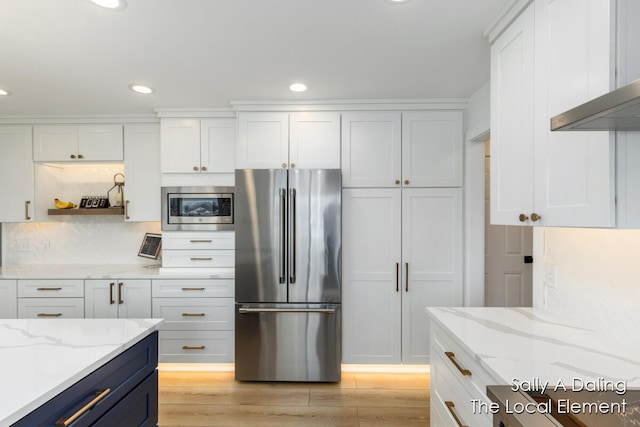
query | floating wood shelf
(91,211)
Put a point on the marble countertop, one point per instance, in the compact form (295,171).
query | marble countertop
(530,344)
(40,358)
(107,271)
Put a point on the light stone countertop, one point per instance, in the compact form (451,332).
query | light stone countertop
(108,271)
(39,358)
(533,343)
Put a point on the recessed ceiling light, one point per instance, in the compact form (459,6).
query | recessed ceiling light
(145,90)
(111,4)
(4,92)
(298,87)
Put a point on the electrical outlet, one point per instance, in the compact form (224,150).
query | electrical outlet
(550,279)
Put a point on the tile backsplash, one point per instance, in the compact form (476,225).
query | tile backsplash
(76,240)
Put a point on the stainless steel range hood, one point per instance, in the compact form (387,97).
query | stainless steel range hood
(617,110)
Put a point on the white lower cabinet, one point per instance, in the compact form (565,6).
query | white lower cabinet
(121,298)
(457,381)
(199,319)
(184,249)
(8,299)
(402,252)
(50,299)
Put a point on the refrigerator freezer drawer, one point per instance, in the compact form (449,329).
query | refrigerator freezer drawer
(288,342)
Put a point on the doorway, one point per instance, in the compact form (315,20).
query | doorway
(508,265)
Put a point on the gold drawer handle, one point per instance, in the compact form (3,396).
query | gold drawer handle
(49,314)
(49,289)
(193,314)
(451,355)
(201,259)
(193,289)
(450,407)
(195,347)
(99,396)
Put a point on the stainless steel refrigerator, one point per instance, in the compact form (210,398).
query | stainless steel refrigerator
(288,282)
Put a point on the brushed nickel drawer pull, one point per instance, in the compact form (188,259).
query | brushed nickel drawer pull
(193,289)
(64,422)
(200,241)
(49,289)
(49,314)
(193,314)
(450,407)
(201,259)
(190,347)
(451,355)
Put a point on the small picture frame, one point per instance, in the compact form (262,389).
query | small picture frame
(151,244)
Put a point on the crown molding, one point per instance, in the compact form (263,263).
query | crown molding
(353,105)
(78,119)
(506,16)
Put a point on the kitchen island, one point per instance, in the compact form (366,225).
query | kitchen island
(525,348)
(50,365)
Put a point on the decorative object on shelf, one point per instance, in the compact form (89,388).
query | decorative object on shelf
(59,204)
(119,195)
(94,202)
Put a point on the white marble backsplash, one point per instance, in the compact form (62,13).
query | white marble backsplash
(597,277)
(76,240)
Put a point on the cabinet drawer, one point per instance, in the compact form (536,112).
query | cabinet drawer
(50,288)
(139,408)
(197,346)
(196,258)
(190,313)
(197,288)
(120,375)
(189,240)
(476,382)
(447,391)
(50,308)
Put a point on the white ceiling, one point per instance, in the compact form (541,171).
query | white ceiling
(65,57)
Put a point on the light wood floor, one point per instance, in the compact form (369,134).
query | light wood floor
(360,399)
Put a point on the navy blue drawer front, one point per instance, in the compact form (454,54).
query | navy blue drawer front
(139,408)
(120,375)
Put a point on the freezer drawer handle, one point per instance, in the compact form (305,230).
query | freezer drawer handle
(245,310)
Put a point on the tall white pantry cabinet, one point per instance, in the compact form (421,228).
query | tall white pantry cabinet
(402,230)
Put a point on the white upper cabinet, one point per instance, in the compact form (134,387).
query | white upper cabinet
(142,172)
(392,149)
(275,140)
(198,146)
(555,56)
(60,143)
(16,174)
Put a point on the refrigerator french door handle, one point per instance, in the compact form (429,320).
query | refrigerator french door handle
(292,231)
(247,310)
(283,227)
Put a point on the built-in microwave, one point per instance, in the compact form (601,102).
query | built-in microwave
(197,208)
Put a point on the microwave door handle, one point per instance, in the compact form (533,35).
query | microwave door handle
(292,249)
(283,226)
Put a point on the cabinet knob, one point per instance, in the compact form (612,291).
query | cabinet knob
(397,182)
(203,168)
(523,217)
(293,165)
(406,182)
(73,156)
(80,156)
(535,217)
(284,166)
(195,168)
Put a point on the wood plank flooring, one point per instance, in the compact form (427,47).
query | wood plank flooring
(191,398)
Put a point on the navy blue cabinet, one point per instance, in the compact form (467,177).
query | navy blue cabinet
(124,392)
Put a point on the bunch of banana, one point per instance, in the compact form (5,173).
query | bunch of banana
(64,205)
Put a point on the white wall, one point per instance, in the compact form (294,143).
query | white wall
(597,277)
(77,240)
